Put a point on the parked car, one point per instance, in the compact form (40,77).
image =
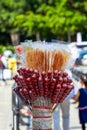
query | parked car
(82,58)
(78,71)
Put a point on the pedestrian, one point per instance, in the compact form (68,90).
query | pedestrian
(0,62)
(12,64)
(64,107)
(81,96)
(4,60)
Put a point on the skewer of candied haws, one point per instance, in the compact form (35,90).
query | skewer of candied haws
(43,75)
(55,75)
(16,90)
(33,91)
(17,80)
(63,88)
(30,72)
(30,85)
(37,73)
(62,77)
(40,86)
(58,75)
(52,86)
(46,87)
(66,92)
(56,93)
(70,87)
(65,74)
(25,93)
(25,72)
(19,92)
(49,74)
(34,79)
(69,81)
(32,96)
(21,71)
(23,81)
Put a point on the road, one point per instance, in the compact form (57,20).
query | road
(5,105)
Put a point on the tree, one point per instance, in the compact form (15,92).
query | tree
(57,19)
(43,17)
(9,10)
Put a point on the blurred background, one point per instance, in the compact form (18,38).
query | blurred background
(45,20)
(50,20)
(42,20)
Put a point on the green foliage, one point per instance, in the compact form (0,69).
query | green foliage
(55,17)
(3,48)
(58,19)
(9,9)
(10,48)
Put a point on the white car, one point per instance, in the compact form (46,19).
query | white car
(79,51)
(84,60)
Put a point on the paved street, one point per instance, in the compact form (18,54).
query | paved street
(6,113)
(5,105)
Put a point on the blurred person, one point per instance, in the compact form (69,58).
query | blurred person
(4,65)
(25,114)
(4,60)
(12,64)
(7,53)
(19,60)
(1,65)
(81,96)
(64,107)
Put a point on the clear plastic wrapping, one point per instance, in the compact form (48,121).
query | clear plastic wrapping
(45,56)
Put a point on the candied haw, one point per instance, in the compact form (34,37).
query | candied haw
(65,80)
(43,74)
(65,74)
(25,91)
(60,80)
(69,80)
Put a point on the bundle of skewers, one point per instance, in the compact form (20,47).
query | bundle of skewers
(43,83)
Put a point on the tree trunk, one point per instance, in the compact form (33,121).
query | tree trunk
(69,36)
(15,38)
(38,36)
